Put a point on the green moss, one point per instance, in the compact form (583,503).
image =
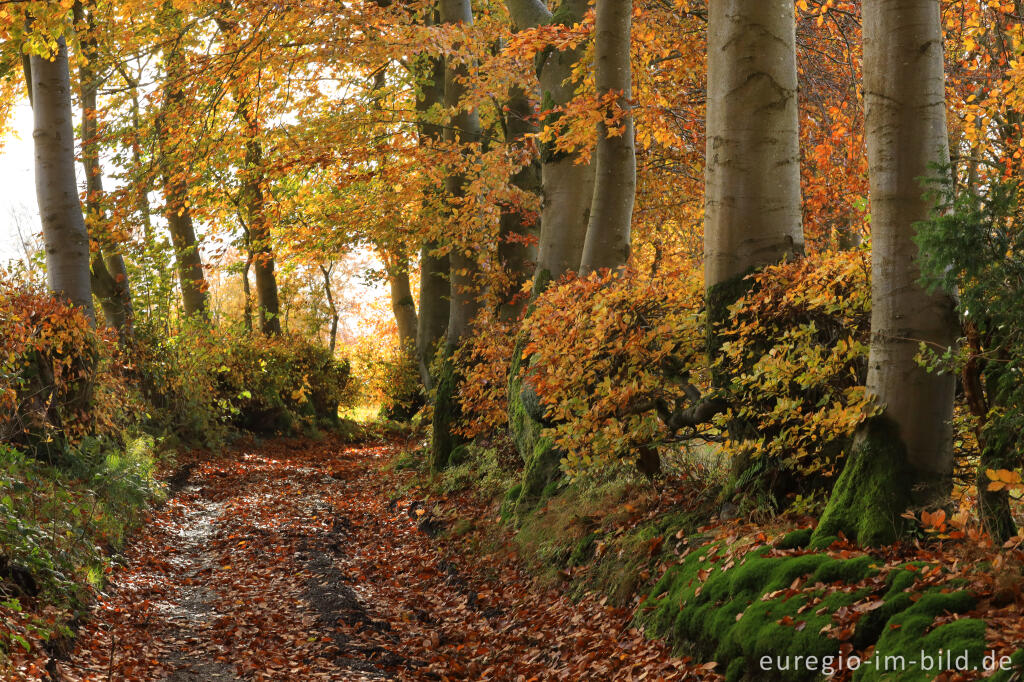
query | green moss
(748,610)
(1016,671)
(542,460)
(446,413)
(584,550)
(796,539)
(819,542)
(736,670)
(873,490)
(508,505)
(908,637)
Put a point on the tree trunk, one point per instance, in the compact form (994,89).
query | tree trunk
(435,289)
(329,295)
(516,252)
(195,299)
(267,300)
(904,91)
(464,130)
(402,304)
(108,274)
(463,267)
(568,186)
(64,230)
(752,204)
(611,214)
(567,195)
(247,292)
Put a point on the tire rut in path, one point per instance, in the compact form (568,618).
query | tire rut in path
(284,562)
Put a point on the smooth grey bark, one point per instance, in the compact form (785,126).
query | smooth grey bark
(905,124)
(528,13)
(64,232)
(464,130)
(435,289)
(568,186)
(752,204)
(518,232)
(611,213)
(109,275)
(191,276)
(402,304)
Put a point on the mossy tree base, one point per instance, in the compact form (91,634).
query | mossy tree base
(542,459)
(446,414)
(876,487)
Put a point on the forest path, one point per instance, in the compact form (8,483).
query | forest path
(286,562)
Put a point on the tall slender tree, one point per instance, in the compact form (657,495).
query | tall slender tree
(253,176)
(906,454)
(463,131)
(752,196)
(568,184)
(435,289)
(611,214)
(173,144)
(64,232)
(109,273)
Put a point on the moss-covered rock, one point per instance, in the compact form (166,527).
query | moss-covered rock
(909,648)
(508,505)
(776,608)
(746,610)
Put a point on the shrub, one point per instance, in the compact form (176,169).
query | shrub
(204,382)
(483,362)
(611,356)
(389,378)
(795,354)
(60,380)
(619,366)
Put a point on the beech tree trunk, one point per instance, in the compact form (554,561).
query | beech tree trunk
(904,91)
(568,186)
(402,304)
(752,204)
(464,130)
(905,456)
(611,214)
(435,289)
(195,299)
(329,295)
(108,273)
(516,255)
(267,300)
(64,231)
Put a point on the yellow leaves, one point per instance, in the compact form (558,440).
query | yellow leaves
(1003,479)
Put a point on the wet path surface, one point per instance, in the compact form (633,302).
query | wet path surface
(285,562)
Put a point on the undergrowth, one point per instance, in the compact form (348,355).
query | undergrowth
(60,527)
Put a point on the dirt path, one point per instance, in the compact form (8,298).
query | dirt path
(286,563)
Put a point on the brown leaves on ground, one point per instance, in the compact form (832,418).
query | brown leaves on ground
(285,562)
